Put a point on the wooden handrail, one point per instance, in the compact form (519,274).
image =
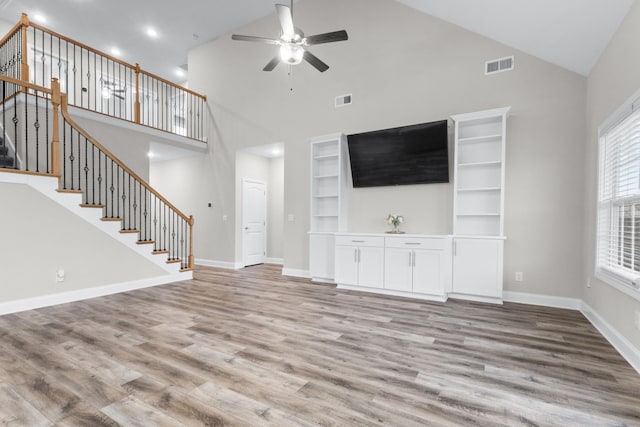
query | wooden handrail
(111,58)
(85,134)
(25,84)
(154,76)
(82,45)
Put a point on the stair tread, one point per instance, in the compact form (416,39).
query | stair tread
(160,252)
(89,205)
(63,190)
(146,242)
(111,219)
(174,261)
(129,231)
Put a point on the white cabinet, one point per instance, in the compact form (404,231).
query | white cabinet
(477,268)
(328,202)
(418,265)
(359,260)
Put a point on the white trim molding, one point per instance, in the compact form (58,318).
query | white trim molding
(219,264)
(542,300)
(278,261)
(627,350)
(292,272)
(33,303)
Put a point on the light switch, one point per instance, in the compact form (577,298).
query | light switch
(290,217)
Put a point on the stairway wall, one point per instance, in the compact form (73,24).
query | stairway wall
(39,237)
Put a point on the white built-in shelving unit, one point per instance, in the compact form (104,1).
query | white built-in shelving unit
(329,182)
(478,204)
(478,198)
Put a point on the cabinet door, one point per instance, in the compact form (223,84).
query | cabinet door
(370,267)
(321,256)
(346,265)
(398,267)
(477,267)
(427,272)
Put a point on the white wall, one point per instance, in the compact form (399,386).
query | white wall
(614,79)
(5,26)
(275,209)
(39,237)
(403,67)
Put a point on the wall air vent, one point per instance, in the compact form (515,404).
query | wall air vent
(344,100)
(499,65)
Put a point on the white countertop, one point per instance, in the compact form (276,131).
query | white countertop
(412,235)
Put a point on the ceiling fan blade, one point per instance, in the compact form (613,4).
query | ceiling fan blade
(254,39)
(335,36)
(315,61)
(286,20)
(272,64)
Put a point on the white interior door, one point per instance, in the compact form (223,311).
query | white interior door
(254,222)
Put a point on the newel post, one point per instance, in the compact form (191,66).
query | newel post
(24,65)
(191,257)
(56,155)
(136,105)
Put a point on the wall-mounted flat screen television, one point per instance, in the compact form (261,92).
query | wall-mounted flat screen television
(416,154)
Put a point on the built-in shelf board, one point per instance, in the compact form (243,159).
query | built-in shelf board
(325,216)
(326,157)
(479,164)
(325,176)
(325,196)
(478,214)
(478,190)
(481,138)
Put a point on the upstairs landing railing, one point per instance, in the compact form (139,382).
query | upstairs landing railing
(96,81)
(40,137)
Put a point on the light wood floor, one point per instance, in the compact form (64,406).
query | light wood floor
(252,348)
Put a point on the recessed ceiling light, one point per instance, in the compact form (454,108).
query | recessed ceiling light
(115,51)
(150,154)
(152,33)
(40,18)
(179,72)
(275,151)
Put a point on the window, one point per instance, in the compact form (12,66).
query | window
(618,238)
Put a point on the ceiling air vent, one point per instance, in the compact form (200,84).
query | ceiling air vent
(344,100)
(498,65)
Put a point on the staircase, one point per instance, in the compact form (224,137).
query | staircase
(42,141)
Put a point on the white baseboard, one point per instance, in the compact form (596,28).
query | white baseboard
(543,300)
(278,261)
(627,350)
(88,293)
(383,291)
(296,273)
(219,264)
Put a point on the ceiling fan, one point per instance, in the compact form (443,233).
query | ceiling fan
(293,42)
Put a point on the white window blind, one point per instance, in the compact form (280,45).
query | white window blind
(618,237)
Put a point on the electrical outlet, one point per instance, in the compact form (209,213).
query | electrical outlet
(519,276)
(588,283)
(225,217)
(638,319)
(290,217)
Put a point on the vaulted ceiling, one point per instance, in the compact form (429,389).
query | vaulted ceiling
(569,33)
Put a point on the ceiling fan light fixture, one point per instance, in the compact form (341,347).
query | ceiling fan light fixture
(291,53)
